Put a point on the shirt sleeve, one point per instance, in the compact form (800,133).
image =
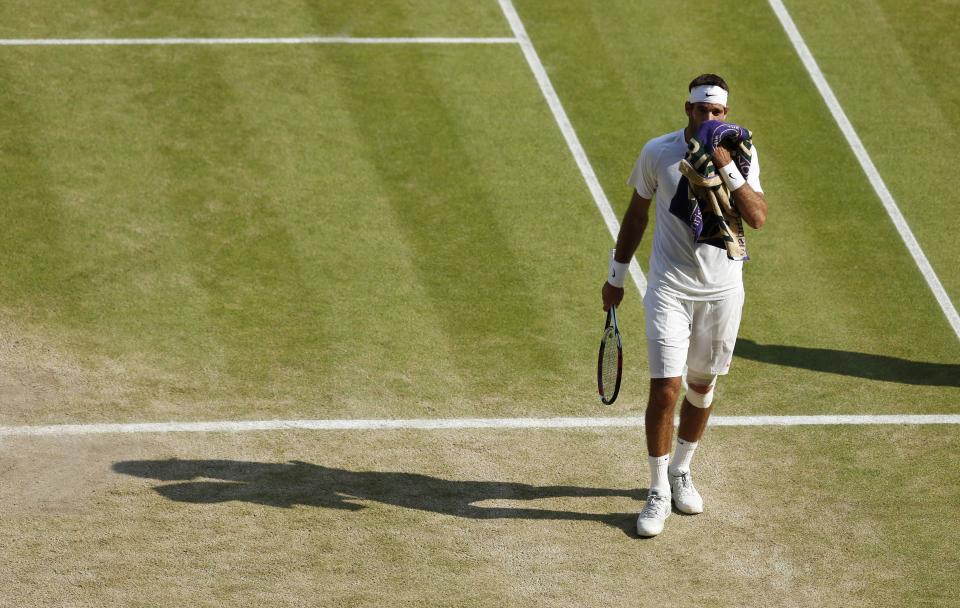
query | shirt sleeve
(754,176)
(644,176)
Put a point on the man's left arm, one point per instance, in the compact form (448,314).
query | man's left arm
(751,204)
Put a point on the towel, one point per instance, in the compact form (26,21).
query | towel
(703,200)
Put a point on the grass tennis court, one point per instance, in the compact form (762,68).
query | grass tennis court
(319,231)
(534,518)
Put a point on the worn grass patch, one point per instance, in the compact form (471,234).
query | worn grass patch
(795,517)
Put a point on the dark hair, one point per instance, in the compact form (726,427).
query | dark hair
(708,79)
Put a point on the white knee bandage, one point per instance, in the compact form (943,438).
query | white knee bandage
(701,400)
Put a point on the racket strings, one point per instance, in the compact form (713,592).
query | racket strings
(609,367)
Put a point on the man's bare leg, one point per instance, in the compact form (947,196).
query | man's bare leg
(693,420)
(659,429)
(658,424)
(658,419)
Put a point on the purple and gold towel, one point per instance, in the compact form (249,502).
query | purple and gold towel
(703,200)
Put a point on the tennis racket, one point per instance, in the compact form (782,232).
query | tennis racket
(610,360)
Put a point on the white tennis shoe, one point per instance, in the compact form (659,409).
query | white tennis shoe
(654,513)
(685,496)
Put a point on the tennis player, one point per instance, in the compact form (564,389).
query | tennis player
(693,300)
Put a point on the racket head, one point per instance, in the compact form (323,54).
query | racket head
(610,360)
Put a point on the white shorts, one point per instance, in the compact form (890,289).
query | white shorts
(696,334)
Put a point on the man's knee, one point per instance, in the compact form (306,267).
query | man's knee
(664,392)
(700,388)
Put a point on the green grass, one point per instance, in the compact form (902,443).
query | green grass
(887,64)
(206,227)
(229,232)
(249,232)
(830,280)
(251,18)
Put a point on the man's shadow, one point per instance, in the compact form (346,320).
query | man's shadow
(302,483)
(860,365)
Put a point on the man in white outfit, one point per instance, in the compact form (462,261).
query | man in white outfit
(693,300)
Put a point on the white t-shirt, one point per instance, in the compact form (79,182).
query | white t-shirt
(678,265)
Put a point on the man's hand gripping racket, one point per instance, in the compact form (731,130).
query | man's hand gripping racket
(610,358)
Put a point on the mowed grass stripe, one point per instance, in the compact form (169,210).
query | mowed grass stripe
(363,255)
(893,210)
(823,322)
(487,213)
(569,134)
(901,101)
(254,18)
(86,240)
(805,338)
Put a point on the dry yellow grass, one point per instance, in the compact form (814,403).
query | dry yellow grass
(856,516)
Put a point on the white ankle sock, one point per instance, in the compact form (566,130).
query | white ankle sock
(682,456)
(658,474)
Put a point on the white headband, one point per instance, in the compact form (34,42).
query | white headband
(708,93)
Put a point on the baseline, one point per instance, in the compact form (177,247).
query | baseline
(237,426)
(836,110)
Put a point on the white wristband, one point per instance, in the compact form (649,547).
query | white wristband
(731,176)
(618,273)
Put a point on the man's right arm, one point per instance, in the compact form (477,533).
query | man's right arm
(631,232)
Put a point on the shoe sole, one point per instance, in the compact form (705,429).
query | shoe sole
(687,510)
(645,534)
(651,534)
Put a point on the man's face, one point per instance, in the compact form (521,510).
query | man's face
(700,113)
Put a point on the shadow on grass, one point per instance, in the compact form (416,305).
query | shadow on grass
(302,483)
(860,365)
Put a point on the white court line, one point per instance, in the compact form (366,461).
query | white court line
(867,164)
(573,142)
(233,426)
(300,40)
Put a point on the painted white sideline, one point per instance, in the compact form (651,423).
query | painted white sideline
(234,426)
(573,142)
(299,40)
(867,164)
